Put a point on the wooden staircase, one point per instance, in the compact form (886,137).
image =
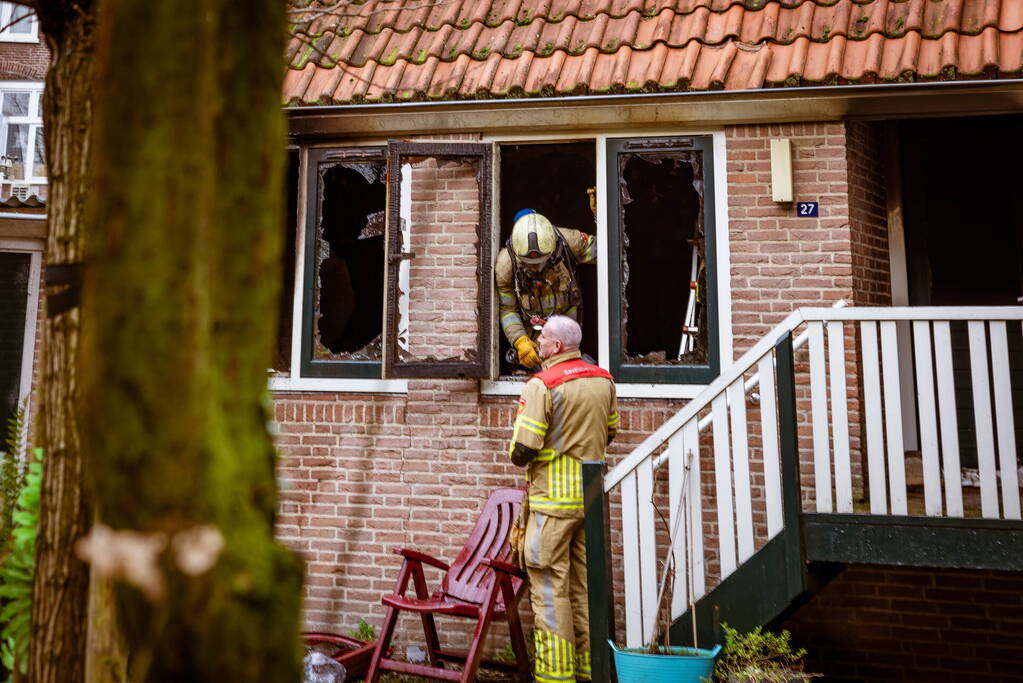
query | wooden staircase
(786,473)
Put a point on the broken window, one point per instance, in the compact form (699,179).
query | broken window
(554,179)
(438,260)
(662,306)
(345,263)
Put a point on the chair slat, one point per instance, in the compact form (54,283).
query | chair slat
(928,417)
(872,409)
(982,419)
(1004,420)
(819,410)
(948,421)
(769,439)
(839,417)
(723,485)
(468,580)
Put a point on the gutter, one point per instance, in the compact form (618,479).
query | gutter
(23,216)
(696,108)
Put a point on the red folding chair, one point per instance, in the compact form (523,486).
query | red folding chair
(479,585)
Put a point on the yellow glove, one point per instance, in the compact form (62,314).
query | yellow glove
(528,352)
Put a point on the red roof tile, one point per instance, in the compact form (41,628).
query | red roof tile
(433,49)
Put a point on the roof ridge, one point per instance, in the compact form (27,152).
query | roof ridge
(390,47)
(749,47)
(748,6)
(759,5)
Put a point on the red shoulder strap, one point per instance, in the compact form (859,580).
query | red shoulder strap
(571,369)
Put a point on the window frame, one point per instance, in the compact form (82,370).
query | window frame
(720,228)
(296,379)
(309,367)
(647,373)
(6,36)
(34,249)
(483,153)
(33,119)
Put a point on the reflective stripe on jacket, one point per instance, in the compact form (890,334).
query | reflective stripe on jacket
(569,422)
(558,295)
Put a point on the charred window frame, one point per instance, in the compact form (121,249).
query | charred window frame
(650,263)
(438,241)
(342,307)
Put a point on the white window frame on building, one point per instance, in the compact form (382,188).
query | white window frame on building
(34,249)
(32,120)
(25,30)
(361,377)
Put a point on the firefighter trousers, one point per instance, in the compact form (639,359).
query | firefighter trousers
(555,551)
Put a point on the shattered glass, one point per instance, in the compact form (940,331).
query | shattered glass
(661,219)
(348,252)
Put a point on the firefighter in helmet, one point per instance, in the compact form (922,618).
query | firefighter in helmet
(536,279)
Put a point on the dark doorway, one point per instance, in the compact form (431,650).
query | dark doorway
(963,217)
(15,269)
(553,180)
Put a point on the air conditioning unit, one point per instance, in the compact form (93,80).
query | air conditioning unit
(21,191)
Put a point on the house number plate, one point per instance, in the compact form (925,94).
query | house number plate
(807,209)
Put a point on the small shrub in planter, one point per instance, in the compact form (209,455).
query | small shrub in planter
(759,657)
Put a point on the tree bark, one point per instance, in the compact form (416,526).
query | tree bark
(178,327)
(57,649)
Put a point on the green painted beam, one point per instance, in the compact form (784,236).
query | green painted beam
(753,595)
(788,444)
(598,570)
(914,541)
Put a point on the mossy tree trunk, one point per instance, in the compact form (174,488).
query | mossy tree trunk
(58,642)
(178,326)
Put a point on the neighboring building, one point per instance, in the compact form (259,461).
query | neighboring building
(24,59)
(802,152)
(22,239)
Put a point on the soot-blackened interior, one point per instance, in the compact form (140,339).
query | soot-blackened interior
(553,179)
(351,261)
(660,221)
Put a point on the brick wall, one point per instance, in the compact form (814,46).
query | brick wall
(781,261)
(24,61)
(363,473)
(868,215)
(914,624)
(443,285)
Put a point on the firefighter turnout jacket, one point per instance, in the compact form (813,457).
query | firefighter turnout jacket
(554,291)
(568,413)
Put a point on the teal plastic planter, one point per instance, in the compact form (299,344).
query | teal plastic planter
(636,666)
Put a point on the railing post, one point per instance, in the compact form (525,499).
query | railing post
(788,443)
(598,571)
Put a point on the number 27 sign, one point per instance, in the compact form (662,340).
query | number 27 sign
(807,209)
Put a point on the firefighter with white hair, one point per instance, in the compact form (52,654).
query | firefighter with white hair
(567,415)
(536,279)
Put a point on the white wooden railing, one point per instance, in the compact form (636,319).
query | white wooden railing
(735,504)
